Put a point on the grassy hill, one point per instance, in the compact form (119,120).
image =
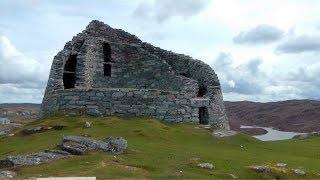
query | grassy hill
(157,150)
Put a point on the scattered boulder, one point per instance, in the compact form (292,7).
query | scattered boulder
(260,169)
(30,159)
(206,165)
(80,145)
(4,121)
(7,174)
(299,172)
(4,132)
(281,165)
(87,124)
(116,144)
(39,129)
(70,145)
(32,130)
(223,133)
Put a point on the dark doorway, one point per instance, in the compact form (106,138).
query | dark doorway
(71,63)
(68,80)
(107,69)
(106,52)
(69,72)
(202,91)
(203,115)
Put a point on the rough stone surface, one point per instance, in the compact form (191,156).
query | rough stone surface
(206,165)
(32,130)
(79,145)
(260,169)
(7,174)
(116,144)
(4,120)
(70,145)
(131,78)
(87,125)
(299,172)
(30,159)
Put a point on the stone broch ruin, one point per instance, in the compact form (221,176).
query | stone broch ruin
(106,71)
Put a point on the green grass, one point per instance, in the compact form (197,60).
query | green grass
(166,151)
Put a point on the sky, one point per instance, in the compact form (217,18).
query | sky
(261,50)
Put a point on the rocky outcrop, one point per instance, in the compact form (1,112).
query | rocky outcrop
(31,159)
(80,145)
(70,145)
(7,174)
(106,71)
(4,120)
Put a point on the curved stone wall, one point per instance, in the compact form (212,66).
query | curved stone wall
(115,73)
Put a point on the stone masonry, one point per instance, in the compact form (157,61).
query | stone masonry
(106,71)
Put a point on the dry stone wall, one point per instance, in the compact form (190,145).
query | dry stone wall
(170,106)
(106,71)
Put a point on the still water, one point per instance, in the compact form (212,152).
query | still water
(273,134)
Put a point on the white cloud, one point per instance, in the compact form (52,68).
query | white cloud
(300,44)
(20,75)
(162,10)
(261,34)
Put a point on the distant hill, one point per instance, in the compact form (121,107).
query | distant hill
(292,115)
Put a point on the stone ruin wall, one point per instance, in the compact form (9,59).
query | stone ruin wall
(170,106)
(144,81)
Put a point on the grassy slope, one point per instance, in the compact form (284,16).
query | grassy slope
(157,150)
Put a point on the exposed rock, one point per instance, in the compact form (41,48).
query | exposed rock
(282,165)
(223,133)
(260,169)
(30,159)
(4,132)
(80,145)
(56,151)
(299,172)
(32,130)
(116,144)
(7,174)
(4,121)
(87,124)
(70,145)
(39,129)
(206,165)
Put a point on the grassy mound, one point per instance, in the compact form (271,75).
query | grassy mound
(157,150)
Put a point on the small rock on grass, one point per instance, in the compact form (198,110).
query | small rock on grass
(206,165)
(281,165)
(7,174)
(299,172)
(261,169)
(87,124)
